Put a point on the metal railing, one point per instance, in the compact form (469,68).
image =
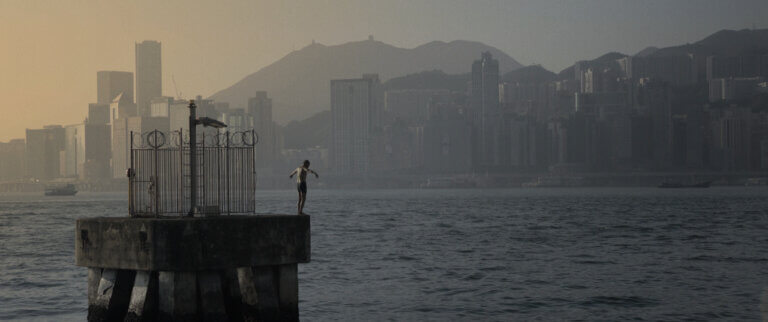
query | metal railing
(159,173)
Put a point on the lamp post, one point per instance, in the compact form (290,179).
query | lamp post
(194,121)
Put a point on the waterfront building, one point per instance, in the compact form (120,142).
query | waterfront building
(484,95)
(12,160)
(43,152)
(356,106)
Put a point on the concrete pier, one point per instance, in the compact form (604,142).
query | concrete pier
(225,268)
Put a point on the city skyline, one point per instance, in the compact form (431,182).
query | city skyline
(49,72)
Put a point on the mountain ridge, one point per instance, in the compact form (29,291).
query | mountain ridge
(299,82)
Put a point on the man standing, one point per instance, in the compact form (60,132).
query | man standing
(301,183)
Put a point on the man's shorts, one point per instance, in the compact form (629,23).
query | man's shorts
(302,187)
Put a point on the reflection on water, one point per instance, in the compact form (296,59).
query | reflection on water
(521,254)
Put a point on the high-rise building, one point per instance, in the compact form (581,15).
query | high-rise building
(149,81)
(657,102)
(12,160)
(488,119)
(43,152)
(356,106)
(109,84)
(122,129)
(412,105)
(74,151)
(98,113)
(260,108)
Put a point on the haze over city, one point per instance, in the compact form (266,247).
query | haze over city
(52,49)
(404,160)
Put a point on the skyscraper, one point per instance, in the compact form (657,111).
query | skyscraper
(43,152)
(109,84)
(149,81)
(356,110)
(487,115)
(260,108)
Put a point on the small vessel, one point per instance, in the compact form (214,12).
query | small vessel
(668,184)
(448,183)
(66,190)
(555,182)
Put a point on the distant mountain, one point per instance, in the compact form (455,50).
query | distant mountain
(433,79)
(299,83)
(603,60)
(723,42)
(529,74)
(647,51)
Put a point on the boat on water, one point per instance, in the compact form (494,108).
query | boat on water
(66,190)
(703,184)
(448,183)
(555,182)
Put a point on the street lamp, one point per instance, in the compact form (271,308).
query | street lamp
(194,121)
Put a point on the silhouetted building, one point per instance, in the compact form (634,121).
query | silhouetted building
(73,156)
(447,140)
(733,88)
(356,106)
(260,109)
(737,66)
(731,139)
(237,120)
(109,84)
(656,102)
(43,152)
(149,80)
(412,105)
(98,113)
(673,69)
(12,160)
(176,111)
(488,118)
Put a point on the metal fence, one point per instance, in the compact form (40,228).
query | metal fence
(159,173)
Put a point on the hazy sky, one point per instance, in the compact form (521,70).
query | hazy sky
(50,50)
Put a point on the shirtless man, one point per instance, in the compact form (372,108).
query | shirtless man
(301,183)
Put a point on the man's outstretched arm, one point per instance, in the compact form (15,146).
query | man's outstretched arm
(315,173)
(292,174)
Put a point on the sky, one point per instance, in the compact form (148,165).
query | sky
(50,50)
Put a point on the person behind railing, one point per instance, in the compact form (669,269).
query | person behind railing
(152,190)
(301,183)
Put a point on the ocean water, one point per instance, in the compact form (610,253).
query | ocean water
(412,255)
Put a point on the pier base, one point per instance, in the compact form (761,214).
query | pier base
(235,268)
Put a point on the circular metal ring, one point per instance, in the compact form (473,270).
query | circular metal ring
(155,139)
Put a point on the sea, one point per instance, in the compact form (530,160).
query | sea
(547,254)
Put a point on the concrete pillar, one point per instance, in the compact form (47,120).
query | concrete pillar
(235,268)
(211,296)
(232,297)
(112,296)
(94,278)
(266,288)
(143,301)
(177,296)
(288,292)
(250,299)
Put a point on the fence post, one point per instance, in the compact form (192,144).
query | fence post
(131,179)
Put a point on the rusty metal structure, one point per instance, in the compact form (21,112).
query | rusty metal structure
(171,174)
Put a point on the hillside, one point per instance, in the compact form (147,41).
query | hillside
(299,82)
(723,42)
